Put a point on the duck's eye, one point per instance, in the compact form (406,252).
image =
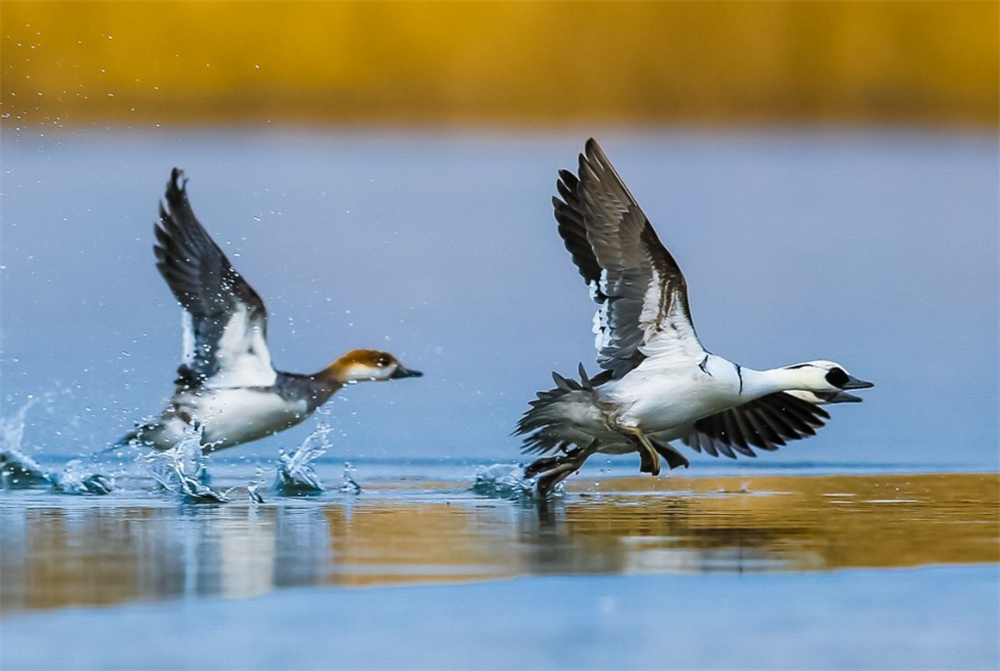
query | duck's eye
(382,362)
(837,377)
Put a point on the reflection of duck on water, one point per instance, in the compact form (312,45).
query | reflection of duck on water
(226,383)
(658,383)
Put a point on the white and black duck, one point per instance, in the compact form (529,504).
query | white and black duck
(657,384)
(226,384)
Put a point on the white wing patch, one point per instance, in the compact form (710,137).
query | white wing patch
(670,337)
(187,331)
(650,316)
(244,360)
(601,327)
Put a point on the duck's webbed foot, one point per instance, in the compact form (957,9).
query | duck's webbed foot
(548,480)
(649,456)
(543,464)
(646,464)
(550,471)
(673,458)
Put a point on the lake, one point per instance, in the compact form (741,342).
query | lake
(618,571)
(872,545)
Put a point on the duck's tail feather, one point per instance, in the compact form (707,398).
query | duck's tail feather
(131,439)
(563,416)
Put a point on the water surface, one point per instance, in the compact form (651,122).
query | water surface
(872,545)
(144,545)
(874,248)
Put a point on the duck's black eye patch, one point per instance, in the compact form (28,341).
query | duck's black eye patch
(837,377)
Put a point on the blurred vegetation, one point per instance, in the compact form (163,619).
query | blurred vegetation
(499,62)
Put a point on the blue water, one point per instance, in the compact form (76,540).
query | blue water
(932,618)
(877,249)
(874,248)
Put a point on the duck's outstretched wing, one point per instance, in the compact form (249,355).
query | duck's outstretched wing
(225,321)
(766,423)
(638,286)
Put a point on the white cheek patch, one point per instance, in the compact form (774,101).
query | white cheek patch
(360,372)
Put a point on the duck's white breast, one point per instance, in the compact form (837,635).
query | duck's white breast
(238,415)
(660,399)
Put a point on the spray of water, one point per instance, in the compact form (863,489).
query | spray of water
(506,481)
(18,470)
(296,475)
(181,469)
(253,494)
(12,428)
(349,485)
(77,479)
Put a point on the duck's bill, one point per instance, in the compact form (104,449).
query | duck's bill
(843,397)
(402,372)
(855,383)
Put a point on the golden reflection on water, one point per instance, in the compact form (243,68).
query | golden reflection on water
(99,552)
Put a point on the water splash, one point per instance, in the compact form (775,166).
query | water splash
(506,481)
(18,470)
(12,428)
(75,479)
(181,470)
(254,495)
(349,485)
(296,475)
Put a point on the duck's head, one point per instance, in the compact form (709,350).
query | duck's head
(828,381)
(368,365)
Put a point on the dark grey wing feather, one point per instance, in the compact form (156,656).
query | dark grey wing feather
(573,231)
(228,320)
(640,290)
(766,423)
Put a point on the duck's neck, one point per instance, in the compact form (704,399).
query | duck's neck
(757,383)
(333,376)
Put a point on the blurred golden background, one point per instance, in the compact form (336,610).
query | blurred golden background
(500,62)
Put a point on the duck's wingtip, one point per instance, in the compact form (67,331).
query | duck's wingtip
(593,148)
(566,186)
(177,184)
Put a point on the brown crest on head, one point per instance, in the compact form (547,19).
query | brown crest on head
(363,365)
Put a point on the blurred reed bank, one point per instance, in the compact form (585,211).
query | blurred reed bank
(499,62)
